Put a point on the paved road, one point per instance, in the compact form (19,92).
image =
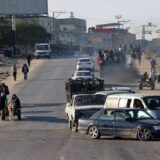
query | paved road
(43,133)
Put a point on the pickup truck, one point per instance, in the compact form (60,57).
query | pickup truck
(82,105)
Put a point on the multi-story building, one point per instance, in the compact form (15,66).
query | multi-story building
(110,36)
(72,31)
(70,34)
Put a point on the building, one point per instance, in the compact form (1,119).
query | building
(110,35)
(70,35)
(72,31)
(154,45)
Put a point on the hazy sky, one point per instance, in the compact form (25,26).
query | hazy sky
(139,12)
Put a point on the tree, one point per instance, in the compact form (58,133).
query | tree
(5,34)
(27,34)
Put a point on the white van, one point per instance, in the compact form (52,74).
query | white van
(151,103)
(42,50)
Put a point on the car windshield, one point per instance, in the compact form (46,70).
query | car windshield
(83,74)
(152,102)
(89,100)
(138,114)
(42,47)
(84,60)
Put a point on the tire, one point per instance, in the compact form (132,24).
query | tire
(144,134)
(94,132)
(3,114)
(19,114)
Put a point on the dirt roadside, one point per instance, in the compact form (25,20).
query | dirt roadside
(34,65)
(122,75)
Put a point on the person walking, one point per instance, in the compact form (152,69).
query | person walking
(25,71)
(15,71)
(29,59)
(153,65)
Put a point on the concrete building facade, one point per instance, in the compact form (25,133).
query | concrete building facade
(110,37)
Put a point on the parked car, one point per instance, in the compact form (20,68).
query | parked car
(85,74)
(85,64)
(150,103)
(124,123)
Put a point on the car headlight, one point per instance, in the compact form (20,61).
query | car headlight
(156,127)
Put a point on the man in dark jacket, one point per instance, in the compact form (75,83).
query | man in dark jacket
(25,71)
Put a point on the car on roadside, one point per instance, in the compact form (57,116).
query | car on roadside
(84,74)
(85,64)
(120,122)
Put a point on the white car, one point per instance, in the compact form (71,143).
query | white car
(85,74)
(85,64)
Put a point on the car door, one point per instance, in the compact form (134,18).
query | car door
(105,123)
(122,127)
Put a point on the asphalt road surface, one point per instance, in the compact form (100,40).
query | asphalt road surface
(43,135)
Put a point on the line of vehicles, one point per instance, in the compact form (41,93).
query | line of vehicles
(115,112)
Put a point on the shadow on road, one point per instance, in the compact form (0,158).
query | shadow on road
(31,105)
(50,119)
(119,85)
(52,79)
(37,112)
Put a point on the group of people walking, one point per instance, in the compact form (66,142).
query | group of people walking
(111,56)
(25,68)
(119,55)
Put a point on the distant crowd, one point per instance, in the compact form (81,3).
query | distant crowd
(118,55)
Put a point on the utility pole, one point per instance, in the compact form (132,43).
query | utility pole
(55,31)
(146,29)
(120,22)
(13,35)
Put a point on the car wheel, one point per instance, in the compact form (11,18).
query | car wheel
(144,134)
(94,132)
